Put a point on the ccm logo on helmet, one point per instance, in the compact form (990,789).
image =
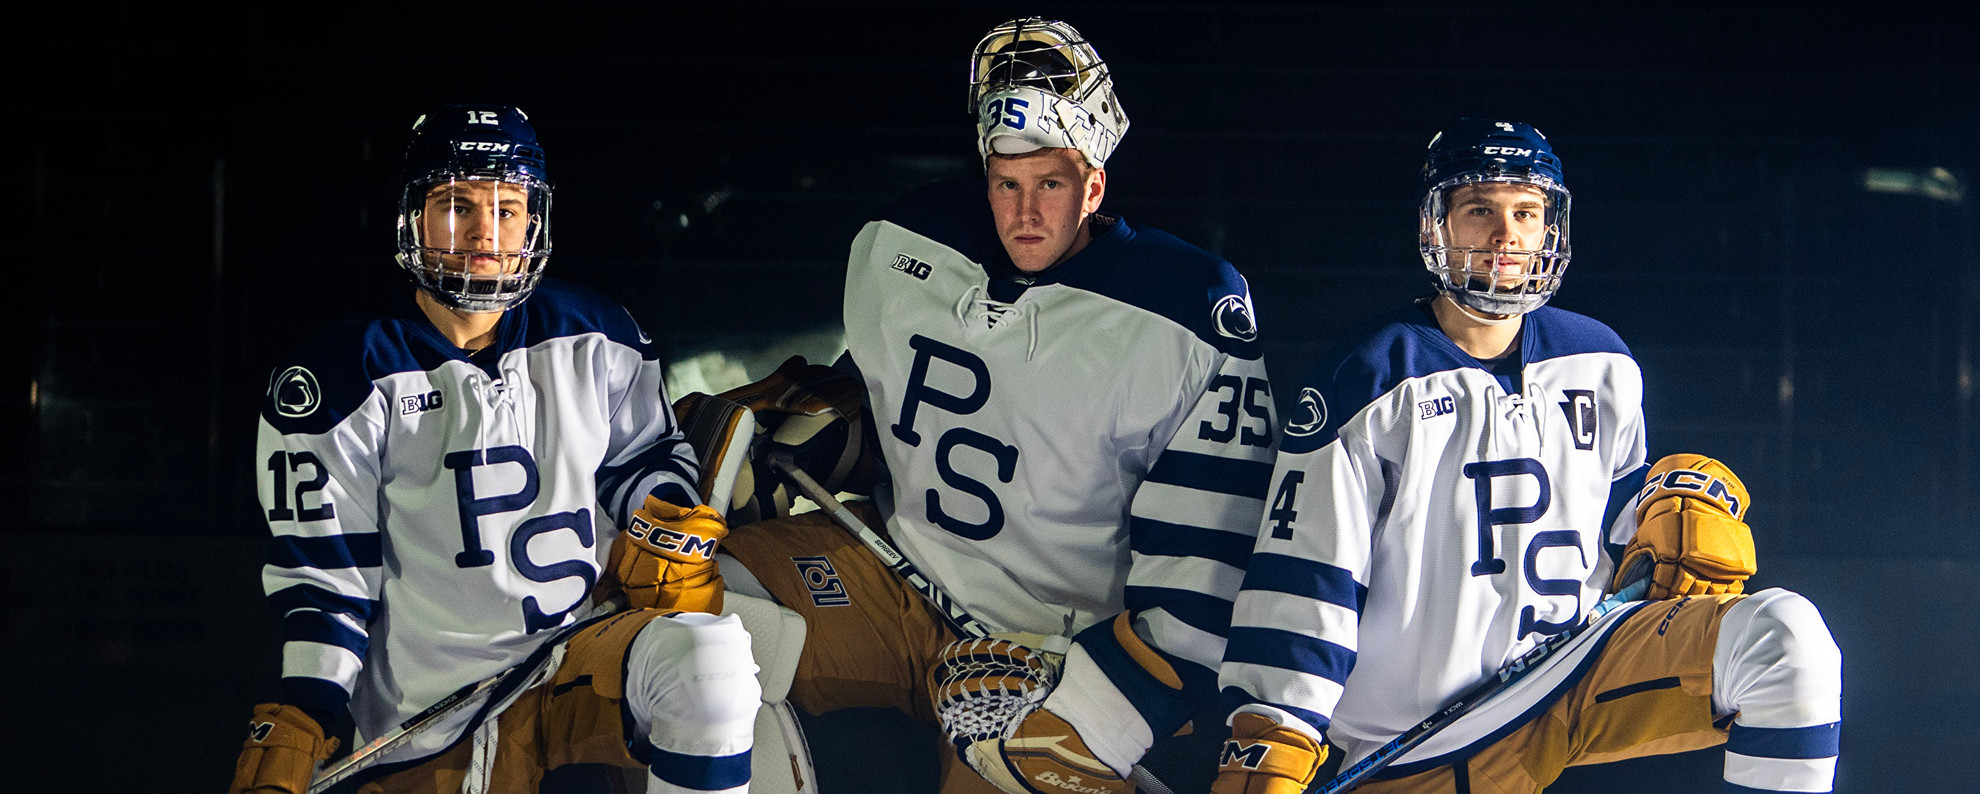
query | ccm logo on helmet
(483,146)
(1512,150)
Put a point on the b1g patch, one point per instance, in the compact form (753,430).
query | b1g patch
(912,266)
(1580,410)
(1435,407)
(822,582)
(410,404)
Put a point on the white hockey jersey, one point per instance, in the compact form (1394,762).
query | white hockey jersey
(435,521)
(1071,444)
(1431,520)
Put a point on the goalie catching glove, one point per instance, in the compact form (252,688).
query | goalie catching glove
(1690,525)
(666,558)
(1264,757)
(989,695)
(283,748)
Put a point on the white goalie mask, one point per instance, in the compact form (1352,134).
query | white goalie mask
(1494,216)
(1036,83)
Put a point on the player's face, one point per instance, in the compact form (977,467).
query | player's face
(480,223)
(1497,221)
(1041,202)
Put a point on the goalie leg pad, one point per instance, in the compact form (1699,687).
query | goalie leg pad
(816,415)
(719,431)
(869,637)
(776,640)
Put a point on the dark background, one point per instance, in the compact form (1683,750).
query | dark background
(1773,207)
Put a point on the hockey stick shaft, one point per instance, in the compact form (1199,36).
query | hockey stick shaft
(957,617)
(1479,694)
(471,695)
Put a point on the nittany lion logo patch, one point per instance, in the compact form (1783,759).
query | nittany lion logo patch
(1309,414)
(295,393)
(1234,318)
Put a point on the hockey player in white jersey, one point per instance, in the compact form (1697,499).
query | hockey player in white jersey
(1439,506)
(445,487)
(1075,416)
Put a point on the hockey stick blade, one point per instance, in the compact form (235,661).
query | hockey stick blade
(958,618)
(1478,694)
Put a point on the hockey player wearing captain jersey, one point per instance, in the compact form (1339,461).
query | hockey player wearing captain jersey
(444,484)
(1438,508)
(1075,417)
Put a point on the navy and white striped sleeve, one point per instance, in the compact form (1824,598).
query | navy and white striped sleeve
(1294,626)
(1192,520)
(647,454)
(317,456)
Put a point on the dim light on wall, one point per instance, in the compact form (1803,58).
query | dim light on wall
(1939,184)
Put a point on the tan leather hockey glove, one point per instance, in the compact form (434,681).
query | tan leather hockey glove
(283,748)
(1690,523)
(987,695)
(666,558)
(1264,757)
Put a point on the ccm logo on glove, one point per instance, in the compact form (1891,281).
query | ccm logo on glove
(669,540)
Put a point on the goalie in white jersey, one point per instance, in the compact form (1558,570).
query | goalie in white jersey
(1439,506)
(445,487)
(1075,416)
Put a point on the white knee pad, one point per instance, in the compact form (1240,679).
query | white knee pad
(1776,663)
(691,687)
(781,762)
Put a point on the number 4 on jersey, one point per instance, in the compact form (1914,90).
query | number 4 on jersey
(1282,513)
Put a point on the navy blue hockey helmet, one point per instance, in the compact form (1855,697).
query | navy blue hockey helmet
(1505,249)
(474,214)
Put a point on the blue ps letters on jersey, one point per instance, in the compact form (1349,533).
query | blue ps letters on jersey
(918,391)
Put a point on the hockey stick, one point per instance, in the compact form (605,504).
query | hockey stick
(957,617)
(1481,693)
(471,695)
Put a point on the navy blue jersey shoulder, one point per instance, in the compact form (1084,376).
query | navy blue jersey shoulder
(1155,271)
(953,212)
(1553,333)
(1371,360)
(1140,266)
(329,376)
(559,309)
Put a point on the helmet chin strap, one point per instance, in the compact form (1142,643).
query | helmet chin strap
(1481,317)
